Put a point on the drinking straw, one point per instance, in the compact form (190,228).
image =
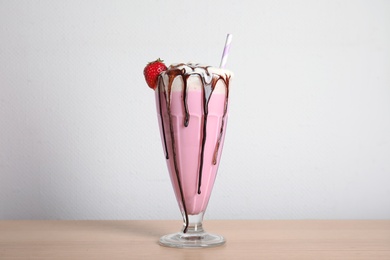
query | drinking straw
(225,53)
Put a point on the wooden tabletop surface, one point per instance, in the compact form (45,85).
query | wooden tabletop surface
(246,239)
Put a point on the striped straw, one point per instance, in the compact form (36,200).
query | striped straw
(225,53)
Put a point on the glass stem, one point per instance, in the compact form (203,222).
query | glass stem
(194,224)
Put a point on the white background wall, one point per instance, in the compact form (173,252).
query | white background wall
(309,127)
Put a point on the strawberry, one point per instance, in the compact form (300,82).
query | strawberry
(152,70)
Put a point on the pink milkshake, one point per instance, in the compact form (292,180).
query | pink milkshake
(192,108)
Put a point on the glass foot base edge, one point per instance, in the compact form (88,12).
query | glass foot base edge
(182,240)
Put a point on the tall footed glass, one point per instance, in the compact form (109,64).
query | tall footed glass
(192,108)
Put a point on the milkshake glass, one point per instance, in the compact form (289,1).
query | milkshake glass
(192,110)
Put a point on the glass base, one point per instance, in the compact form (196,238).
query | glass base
(192,240)
(192,235)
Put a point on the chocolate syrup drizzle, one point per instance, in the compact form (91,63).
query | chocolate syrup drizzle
(209,81)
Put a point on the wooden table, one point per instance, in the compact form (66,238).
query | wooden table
(246,239)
